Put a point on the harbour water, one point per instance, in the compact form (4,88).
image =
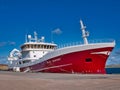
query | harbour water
(113,70)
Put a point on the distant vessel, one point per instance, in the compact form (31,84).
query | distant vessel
(36,55)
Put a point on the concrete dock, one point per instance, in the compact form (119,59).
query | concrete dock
(54,81)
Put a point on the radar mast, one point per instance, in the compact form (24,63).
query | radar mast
(85,34)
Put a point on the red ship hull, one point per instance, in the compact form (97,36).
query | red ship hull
(88,61)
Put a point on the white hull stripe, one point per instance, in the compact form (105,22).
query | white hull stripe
(54,67)
(104,52)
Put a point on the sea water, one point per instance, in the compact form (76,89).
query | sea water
(113,70)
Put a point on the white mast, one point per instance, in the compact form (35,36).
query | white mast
(84,33)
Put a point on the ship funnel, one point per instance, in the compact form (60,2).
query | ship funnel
(85,34)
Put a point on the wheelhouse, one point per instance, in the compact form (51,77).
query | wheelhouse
(38,46)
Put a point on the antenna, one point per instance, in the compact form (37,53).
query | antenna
(26,38)
(35,36)
(84,33)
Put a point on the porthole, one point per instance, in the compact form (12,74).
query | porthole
(88,60)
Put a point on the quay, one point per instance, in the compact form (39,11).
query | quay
(55,81)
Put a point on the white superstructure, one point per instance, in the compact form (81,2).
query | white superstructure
(33,49)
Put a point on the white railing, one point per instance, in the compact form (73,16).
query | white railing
(102,41)
(89,42)
(69,44)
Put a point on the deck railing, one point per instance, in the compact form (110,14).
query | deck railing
(89,42)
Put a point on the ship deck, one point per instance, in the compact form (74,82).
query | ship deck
(55,81)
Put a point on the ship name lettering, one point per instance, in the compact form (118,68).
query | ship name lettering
(55,60)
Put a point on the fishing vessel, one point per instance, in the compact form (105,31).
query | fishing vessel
(36,55)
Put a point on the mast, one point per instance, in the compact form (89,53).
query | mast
(85,34)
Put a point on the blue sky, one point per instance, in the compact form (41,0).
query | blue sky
(20,17)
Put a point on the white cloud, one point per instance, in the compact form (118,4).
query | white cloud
(11,43)
(117,52)
(57,31)
(2,44)
(2,57)
(3,60)
(8,43)
(114,58)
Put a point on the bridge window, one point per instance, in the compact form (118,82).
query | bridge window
(41,46)
(38,46)
(45,46)
(35,46)
(23,47)
(28,46)
(19,62)
(31,46)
